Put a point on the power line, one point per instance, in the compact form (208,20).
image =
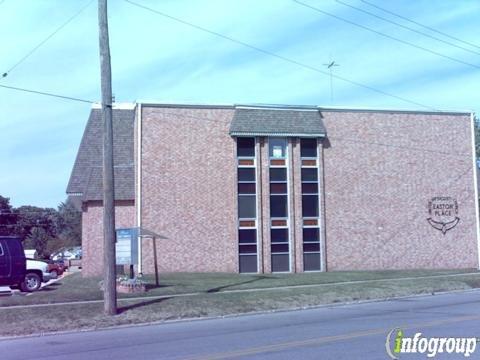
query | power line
(385,35)
(420,24)
(281,57)
(5,74)
(407,27)
(47,94)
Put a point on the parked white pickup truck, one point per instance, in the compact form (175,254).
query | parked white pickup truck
(37,272)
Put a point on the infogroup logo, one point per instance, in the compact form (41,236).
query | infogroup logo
(397,343)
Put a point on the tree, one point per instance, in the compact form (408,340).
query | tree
(30,217)
(8,218)
(38,239)
(68,224)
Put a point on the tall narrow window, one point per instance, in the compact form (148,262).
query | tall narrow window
(247,205)
(310,205)
(280,244)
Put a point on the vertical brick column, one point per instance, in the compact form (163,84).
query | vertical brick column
(297,221)
(292,213)
(265,214)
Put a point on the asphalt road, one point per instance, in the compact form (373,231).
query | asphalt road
(354,331)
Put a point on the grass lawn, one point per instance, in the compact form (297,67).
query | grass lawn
(212,297)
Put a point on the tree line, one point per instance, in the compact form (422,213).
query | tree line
(43,229)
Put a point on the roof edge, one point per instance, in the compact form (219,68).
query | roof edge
(272,134)
(152,103)
(392,110)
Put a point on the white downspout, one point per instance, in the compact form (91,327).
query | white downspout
(475,185)
(138,197)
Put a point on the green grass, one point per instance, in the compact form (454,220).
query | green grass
(74,287)
(212,299)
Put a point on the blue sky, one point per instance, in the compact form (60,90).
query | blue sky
(157,59)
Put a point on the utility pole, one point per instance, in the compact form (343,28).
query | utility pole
(109,238)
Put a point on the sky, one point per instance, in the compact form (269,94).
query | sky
(155,58)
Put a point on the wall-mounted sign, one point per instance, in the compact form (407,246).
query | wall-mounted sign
(443,213)
(277,151)
(126,246)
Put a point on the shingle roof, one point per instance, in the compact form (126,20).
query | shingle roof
(86,176)
(277,122)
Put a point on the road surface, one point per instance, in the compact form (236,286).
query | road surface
(355,331)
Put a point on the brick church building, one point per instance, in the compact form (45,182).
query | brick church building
(261,189)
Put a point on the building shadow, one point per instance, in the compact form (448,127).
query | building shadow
(258,277)
(153,286)
(123,309)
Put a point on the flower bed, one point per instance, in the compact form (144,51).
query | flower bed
(129,286)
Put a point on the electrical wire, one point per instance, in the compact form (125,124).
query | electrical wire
(47,94)
(281,57)
(420,24)
(385,35)
(407,27)
(5,74)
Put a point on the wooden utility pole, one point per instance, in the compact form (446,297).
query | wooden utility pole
(109,276)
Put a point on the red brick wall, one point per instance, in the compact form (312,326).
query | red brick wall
(92,232)
(189,189)
(381,169)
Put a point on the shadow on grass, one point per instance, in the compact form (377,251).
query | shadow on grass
(48,288)
(153,286)
(220,288)
(123,309)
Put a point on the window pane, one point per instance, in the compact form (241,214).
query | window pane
(246,188)
(15,248)
(278,206)
(247,236)
(311,247)
(247,249)
(248,263)
(308,147)
(310,205)
(310,188)
(278,147)
(245,146)
(311,234)
(246,206)
(246,174)
(311,262)
(280,262)
(278,174)
(278,188)
(309,174)
(279,235)
(279,248)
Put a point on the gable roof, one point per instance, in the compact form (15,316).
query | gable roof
(277,122)
(86,177)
